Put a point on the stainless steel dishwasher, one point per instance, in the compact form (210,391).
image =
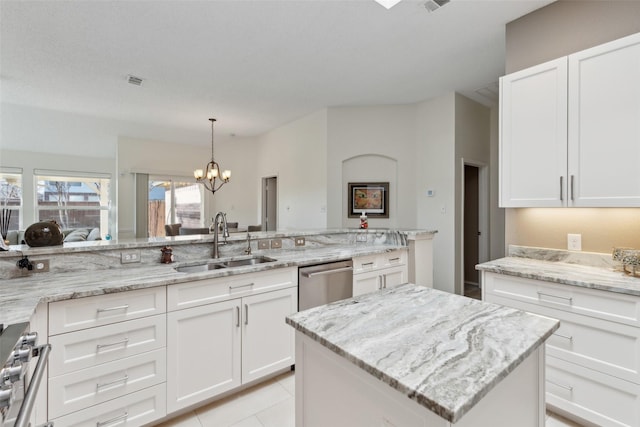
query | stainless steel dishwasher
(324,283)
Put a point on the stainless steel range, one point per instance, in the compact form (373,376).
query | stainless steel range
(17,386)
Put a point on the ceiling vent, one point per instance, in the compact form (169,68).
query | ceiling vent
(432,5)
(134,80)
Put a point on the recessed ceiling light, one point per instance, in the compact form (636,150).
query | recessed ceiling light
(388,3)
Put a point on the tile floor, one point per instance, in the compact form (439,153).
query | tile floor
(269,404)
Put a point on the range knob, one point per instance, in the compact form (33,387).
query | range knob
(6,396)
(11,374)
(30,339)
(22,355)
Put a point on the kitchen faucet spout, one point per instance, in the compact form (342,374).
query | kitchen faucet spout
(220,216)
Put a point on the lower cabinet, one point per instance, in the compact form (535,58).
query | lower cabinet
(593,359)
(374,272)
(134,409)
(216,347)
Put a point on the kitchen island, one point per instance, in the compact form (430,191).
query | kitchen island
(414,356)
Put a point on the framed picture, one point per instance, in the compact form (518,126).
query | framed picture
(369,197)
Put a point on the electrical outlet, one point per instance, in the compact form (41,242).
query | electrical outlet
(299,241)
(40,266)
(131,256)
(276,243)
(574,242)
(263,244)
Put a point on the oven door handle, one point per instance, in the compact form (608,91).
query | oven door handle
(325,272)
(24,414)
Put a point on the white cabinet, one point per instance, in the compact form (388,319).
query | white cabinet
(593,359)
(374,272)
(215,347)
(109,353)
(569,130)
(203,355)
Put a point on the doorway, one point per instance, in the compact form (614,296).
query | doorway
(270,203)
(472,229)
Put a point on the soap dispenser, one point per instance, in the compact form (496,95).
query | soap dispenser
(363,220)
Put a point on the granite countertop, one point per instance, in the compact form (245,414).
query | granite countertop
(602,277)
(444,351)
(19,297)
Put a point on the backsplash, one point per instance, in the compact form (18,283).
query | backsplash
(592,259)
(88,256)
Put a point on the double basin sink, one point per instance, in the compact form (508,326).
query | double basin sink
(218,264)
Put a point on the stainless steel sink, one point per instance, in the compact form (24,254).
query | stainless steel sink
(197,268)
(215,265)
(248,261)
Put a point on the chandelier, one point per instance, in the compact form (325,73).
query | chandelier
(210,176)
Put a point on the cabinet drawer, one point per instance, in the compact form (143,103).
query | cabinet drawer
(82,313)
(134,409)
(589,302)
(83,349)
(596,397)
(365,263)
(201,292)
(392,259)
(608,347)
(87,387)
(374,262)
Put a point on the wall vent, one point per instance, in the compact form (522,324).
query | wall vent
(134,80)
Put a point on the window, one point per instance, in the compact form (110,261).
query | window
(10,200)
(77,201)
(172,201)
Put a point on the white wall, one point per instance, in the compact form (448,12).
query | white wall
(435,150)
(296,154)
(377,132)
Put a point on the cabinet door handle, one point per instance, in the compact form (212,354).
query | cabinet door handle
(246,314)
(112,420)
(540,294)
(561,192)
(384,281)
(566,387)
(240,286)
(570,338)
(572,194)
(237,316)
(101,346)
(119,380)
(120,307)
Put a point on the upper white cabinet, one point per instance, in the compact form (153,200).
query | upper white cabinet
(570,133)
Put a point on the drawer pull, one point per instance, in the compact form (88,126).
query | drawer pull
(120,307)
(101,346)
(566,387)
(563,336)
(119,380)
(367,264)
(540,294)
(394,259)
(240,286)
(112,420)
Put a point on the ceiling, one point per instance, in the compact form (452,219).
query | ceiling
(253,64)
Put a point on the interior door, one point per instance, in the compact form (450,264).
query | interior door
(270,203)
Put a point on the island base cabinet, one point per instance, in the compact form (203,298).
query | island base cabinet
(203,353)
(134,409)
(331,391)
(574,390)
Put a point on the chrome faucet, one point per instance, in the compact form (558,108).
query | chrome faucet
(248,250)
(216,227)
